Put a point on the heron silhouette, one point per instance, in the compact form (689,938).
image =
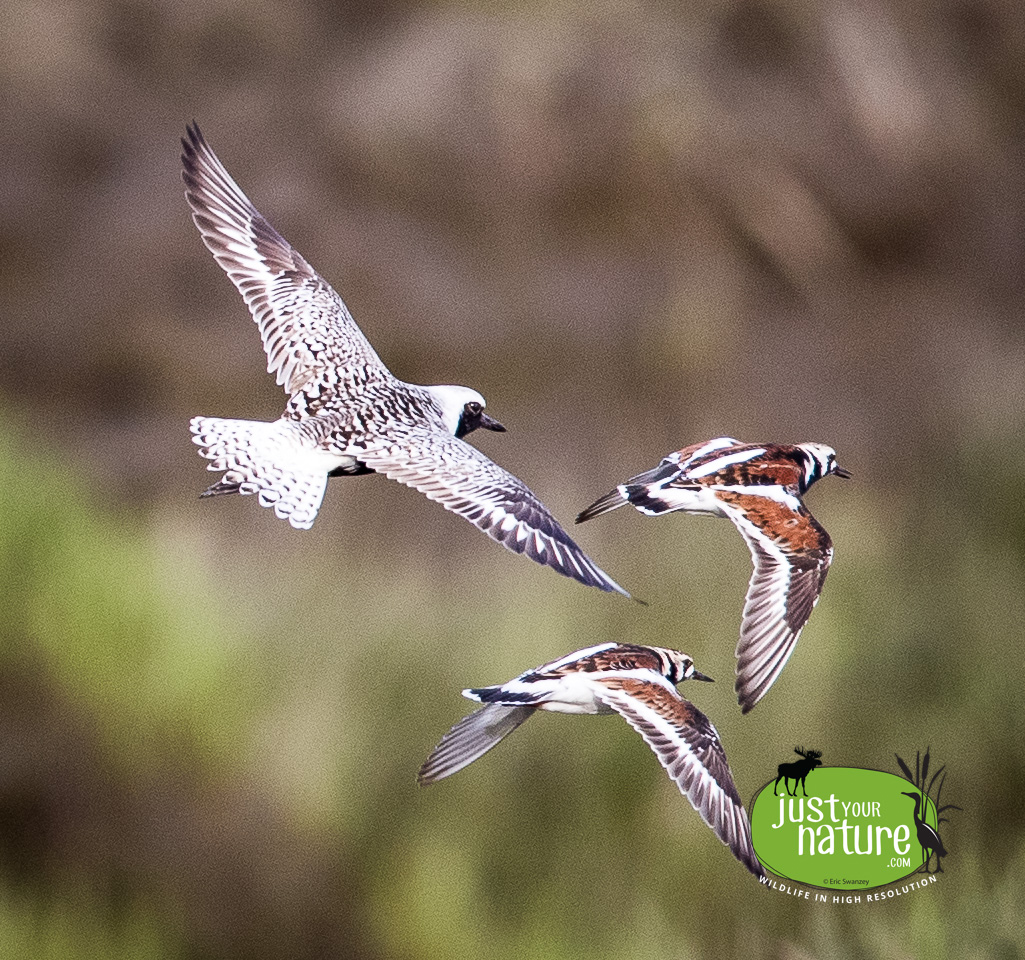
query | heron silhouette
(928,838)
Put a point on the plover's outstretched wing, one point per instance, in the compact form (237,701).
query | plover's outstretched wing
(305,326)
(471,738)
(465,481)
(791,554)
(688,746)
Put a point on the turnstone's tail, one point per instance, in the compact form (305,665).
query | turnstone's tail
(253,455)
(471,738)
(641,491)
(609,502)
(639,495)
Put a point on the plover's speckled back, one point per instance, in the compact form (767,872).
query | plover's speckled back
(639,683)
(347,414)
(759,487)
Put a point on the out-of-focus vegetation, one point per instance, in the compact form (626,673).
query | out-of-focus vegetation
(630,228)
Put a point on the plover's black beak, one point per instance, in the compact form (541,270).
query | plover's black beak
(700,676)
(842,474)
(490,423)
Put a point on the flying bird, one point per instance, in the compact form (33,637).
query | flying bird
(347,414)
(928,839)
(759,487)
(637,682)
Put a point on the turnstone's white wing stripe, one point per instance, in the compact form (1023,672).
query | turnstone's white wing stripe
(721,463)
(688,746)
(465,481)
(696,452)
(307,330)
(569,659)
(791,553)
(471,738)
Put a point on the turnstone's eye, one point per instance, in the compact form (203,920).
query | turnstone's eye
(473,408)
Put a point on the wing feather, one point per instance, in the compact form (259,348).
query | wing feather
(688,746)
(462,479)
(471,738)
(789,570)
(307,330)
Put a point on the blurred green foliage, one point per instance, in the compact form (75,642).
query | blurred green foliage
(128,634)
(567,841)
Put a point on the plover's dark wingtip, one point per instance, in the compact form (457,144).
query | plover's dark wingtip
(604,582)
(609,585)
(192,142)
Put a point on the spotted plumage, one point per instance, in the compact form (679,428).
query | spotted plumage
(346,413)
(637,682)
(759,487)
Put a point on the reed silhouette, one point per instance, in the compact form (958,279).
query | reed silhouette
(928,836)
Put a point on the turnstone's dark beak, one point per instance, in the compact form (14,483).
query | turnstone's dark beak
(490,423)
(843,474)
(700,676)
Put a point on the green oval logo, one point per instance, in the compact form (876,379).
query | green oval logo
(855,830)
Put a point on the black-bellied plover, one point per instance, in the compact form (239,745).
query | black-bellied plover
(347,414)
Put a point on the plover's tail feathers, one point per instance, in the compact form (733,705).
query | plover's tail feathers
(262,458)
(221,487)
(471,738)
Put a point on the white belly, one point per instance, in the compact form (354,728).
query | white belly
(572,694)
(701,501)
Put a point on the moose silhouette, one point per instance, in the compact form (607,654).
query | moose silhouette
(797,771)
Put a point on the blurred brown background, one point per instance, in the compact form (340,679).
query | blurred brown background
(631,226)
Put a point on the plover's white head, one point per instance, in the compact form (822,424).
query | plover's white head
(462,409)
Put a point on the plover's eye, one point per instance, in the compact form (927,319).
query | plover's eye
(473,408)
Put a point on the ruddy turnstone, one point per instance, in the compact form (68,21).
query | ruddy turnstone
(759,487)
(637,682)
(347,414)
